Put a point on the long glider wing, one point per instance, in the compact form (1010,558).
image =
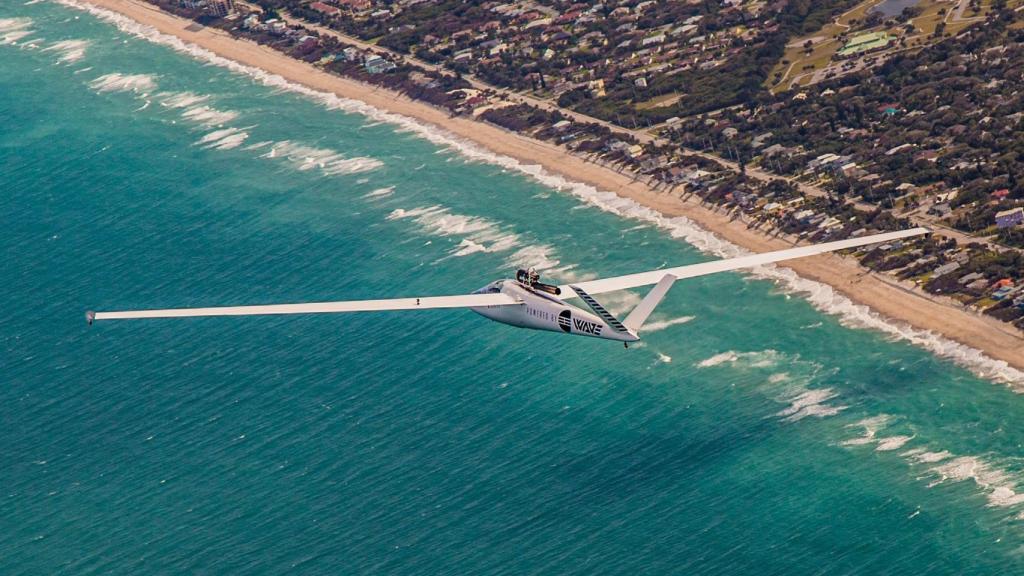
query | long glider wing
(751,261)
(499,299)
(466,301)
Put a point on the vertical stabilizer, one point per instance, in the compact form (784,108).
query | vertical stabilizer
(639,314)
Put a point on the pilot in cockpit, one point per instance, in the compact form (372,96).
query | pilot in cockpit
(532,276)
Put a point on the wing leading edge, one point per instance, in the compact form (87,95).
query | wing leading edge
(500,299)
(705,268)
(464,301)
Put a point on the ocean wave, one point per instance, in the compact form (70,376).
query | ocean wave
(542,258)
(871,426)
(331,163)
(998,484)
(792,388)
(196,109)
(224,139)
(923,456)
(821,296)
(70,50)
(380,192)
(116,82)
(208,116)
(890,443)
(658,325)
(14,29)
(756,359)
(467,247)
(478,234)
(810,403)
(181,99)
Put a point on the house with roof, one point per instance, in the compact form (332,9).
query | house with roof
(376,65)
(1010,218)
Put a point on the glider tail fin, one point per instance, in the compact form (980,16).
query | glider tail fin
(639,315)
(600,310)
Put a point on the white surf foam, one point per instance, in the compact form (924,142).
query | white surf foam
(791,388)
(196,109)
(478,234)
(467,247)
(823,297)
(208,116)
(331,163)
(181,99)
(380,192)
(999,485)
(542,257)
(116,82)
(69,50)
(14,29)
(659,325)
(224,139)
(923,456)
(811,403)
(718,359)
(871,427)
(757,359)
(892,443)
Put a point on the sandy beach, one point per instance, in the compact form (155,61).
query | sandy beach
(998,340)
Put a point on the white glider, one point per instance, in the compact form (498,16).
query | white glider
(525,302)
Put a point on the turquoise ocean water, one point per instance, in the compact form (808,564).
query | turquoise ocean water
(751,433)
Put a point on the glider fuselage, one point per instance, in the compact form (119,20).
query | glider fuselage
(542,311)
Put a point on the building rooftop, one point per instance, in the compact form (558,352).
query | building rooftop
(865,43)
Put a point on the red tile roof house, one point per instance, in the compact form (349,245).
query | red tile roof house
(324,8)
(355,4)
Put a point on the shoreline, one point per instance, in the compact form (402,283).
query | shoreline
(883,295)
